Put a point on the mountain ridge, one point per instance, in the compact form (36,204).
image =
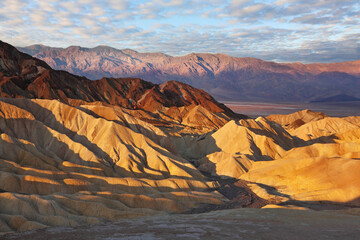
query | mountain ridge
(223,76)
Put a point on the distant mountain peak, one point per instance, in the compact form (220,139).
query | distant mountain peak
(128,50)
(37,45)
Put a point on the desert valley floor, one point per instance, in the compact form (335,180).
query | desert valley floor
(256,109)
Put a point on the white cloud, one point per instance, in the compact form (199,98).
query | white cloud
(98,11)
(13,5)
(285,30)
(46,5)
(71,6)
(238,3)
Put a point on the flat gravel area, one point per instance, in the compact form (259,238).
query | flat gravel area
(223,224)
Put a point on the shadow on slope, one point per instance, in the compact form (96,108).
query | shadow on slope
(41,170)
(48,118)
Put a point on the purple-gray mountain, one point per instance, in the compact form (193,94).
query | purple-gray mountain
(223,76)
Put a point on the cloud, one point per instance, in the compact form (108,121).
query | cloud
(281,30)
(301,11)
(340,50)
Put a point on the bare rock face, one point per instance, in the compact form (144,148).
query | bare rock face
(223,76)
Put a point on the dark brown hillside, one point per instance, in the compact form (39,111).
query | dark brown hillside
(24,76)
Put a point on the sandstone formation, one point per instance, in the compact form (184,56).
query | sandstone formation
(63,166)
(315,161)
(223,76)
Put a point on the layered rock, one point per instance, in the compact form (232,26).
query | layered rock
(62,165)
(313,162)
(231,150)
(322,168)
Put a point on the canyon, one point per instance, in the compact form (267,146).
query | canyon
(119,152)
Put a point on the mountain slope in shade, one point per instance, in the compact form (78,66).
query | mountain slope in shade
(223,76)
(24,76)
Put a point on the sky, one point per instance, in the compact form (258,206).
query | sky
(275,30)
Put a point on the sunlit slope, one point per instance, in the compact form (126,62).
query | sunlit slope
(324,167)
(62,165)
(296,119)
(231,150)
(309,125)
(316,161)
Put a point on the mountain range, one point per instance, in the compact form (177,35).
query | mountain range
(223,76)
